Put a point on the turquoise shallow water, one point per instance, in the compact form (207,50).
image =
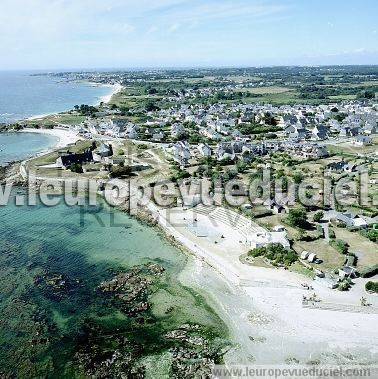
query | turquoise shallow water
(18,146)
(23,95)
(45,332)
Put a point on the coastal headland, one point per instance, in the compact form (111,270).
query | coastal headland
(277,310)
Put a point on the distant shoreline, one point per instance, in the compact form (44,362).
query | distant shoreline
(115,88)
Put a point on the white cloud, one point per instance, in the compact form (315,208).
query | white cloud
(194,11)
(37,21)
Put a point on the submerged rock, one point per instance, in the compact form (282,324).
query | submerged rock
(55,285)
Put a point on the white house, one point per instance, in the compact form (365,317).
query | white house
(204,149)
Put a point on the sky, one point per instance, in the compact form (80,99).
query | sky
(60,34)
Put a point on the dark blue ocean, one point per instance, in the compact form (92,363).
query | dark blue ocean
(23,95)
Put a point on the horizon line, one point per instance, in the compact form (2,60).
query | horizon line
(178,68)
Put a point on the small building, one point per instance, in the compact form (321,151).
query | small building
(311,257)
(67,159)
(181,153)
(274,207)
(204,149)
(278,209)
(347,272)
(158,137)
(105,150)
(337,166)
(177,130)
(361,140)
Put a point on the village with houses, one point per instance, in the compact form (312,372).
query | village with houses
(172,137)
(188,189)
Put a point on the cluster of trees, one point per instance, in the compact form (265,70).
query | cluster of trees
(371,234)
(367,94)
(75,167)
(269,119)
(298,218)
(254,128)
(119,171)
(209,167)
(151,107)
(191,133)
(323,92)
(177,173)
(371,287)
(151,91)
(16,126)
(340,245)
(238,95)
(369,272)
(318,216)
(86,110)
(276,253)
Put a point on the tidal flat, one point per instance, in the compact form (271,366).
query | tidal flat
(92,292)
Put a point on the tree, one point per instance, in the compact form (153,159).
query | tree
(151,106)
(195,138)
(340,245)
(367,95)
(297,177)
(119,171)
(276,253)
(371,234)
(86,110)
(344,285)
(75,167)
(241,166)
(318,216)
(297,217)
(152,91)
(371,287)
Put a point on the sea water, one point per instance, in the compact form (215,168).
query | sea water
(44,335)
(25,94)
(19,146)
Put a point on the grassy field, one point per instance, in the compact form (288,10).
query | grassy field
(343,97)
(47,159)
(268,90)
(331,258)
(244,78)
(347,148)
(366,251)
(132,100)
(60,118)
(288,97)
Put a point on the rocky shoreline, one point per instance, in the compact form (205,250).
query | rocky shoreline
(120,345)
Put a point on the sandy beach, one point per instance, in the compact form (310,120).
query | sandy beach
(65,137)
(263,307)
(115,89)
